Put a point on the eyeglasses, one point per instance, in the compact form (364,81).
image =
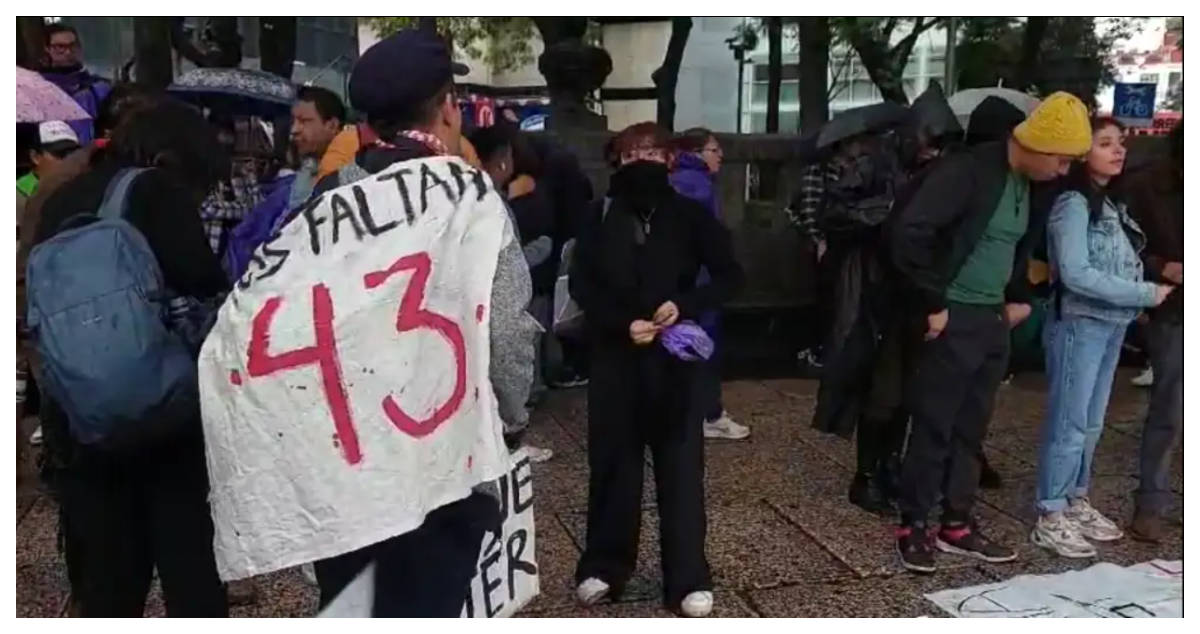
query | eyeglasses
(714,150)
(64,48)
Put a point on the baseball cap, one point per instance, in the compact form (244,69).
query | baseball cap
(56,137)
(401,70)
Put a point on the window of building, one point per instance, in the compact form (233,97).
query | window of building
(1148,78)
(1173,80)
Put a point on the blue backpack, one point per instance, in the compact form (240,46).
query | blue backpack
(98,316)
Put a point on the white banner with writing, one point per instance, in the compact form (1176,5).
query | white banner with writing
(506,575)
(344,388)
(1153,589)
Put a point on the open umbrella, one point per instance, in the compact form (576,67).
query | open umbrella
(243,91)
(964,102)
(39,100)
(857,121)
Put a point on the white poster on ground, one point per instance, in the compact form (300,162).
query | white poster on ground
(344,388)
(506,576)
(1147,590)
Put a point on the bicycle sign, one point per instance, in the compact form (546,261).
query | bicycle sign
(1133,104)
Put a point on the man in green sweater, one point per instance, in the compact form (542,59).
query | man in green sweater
(963,242)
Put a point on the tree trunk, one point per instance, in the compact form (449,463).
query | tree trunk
(31,42)
(814,72)
(1031,44)
(277,44)
(774,71)
(666,77)
(152,51)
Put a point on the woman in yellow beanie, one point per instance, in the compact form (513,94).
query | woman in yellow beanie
(964,241)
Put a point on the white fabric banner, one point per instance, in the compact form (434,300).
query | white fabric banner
(344,388)
(506,576)
(1147,590)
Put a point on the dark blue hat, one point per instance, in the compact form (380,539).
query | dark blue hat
(401,70)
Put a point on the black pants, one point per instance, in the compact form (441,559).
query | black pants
(122,518)
(708,384)
(1164,420)
(425,573)
(953,391)
(640,397)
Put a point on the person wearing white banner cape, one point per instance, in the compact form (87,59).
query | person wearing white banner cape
(634,274)
(357,513)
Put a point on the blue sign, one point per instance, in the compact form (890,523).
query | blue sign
(1133,104)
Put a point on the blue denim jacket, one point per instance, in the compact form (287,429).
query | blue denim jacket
(1097,263)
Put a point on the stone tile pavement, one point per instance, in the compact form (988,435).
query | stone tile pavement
(782,539)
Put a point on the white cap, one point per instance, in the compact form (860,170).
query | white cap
(56,132)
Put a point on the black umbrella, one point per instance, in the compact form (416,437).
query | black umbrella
(858,121)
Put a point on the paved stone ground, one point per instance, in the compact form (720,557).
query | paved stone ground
(782,539)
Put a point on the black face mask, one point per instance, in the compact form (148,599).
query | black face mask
(642,183)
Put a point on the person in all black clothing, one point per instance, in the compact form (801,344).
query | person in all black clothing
(634,274)
(125,516)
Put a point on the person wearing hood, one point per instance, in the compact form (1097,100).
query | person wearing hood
(634,274)
(697,163)
(405,85)
(64,68)
(962,243)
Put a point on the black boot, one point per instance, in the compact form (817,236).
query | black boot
(866,492)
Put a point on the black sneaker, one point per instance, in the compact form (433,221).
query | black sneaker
(912,544)
(968,541)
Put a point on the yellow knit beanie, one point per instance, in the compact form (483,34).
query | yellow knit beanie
(1058,126)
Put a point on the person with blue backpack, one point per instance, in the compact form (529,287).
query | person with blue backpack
(118,248)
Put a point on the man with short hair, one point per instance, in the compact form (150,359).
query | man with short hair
(405,85)
(317,118)
(64,68)
(963,241)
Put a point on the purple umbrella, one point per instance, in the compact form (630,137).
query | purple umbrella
(687,341)
(39,100)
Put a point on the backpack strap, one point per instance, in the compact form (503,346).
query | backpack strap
(116,195)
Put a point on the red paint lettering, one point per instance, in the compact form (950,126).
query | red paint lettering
(323,353)
(412,316)
(235,377)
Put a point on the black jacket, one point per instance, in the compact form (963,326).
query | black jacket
(165,214)
(937,230)
(616,281)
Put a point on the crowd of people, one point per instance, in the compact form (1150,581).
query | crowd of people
(925,232)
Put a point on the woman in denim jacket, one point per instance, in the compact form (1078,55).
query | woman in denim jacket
(1094,247)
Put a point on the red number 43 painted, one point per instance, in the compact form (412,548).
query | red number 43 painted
(323,353)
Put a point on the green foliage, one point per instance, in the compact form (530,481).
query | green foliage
(1071,56)
(509,40)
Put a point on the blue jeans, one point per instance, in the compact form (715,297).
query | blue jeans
(1081,357)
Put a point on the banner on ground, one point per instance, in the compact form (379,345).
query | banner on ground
(1147,590)
(344,388)
(506,577)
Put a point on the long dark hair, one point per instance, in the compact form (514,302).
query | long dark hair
(1079,180)
(173,136)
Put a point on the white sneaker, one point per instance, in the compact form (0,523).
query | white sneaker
(725,427)
(591,591)
(310,574)
(1092,524)
(697,604)
(36,438)
(538,454)
(1056,532)
(1145,379)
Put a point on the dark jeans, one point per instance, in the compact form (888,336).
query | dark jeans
(122,518)
(1164,420)
(424,573)
(952,393)
(637,398)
